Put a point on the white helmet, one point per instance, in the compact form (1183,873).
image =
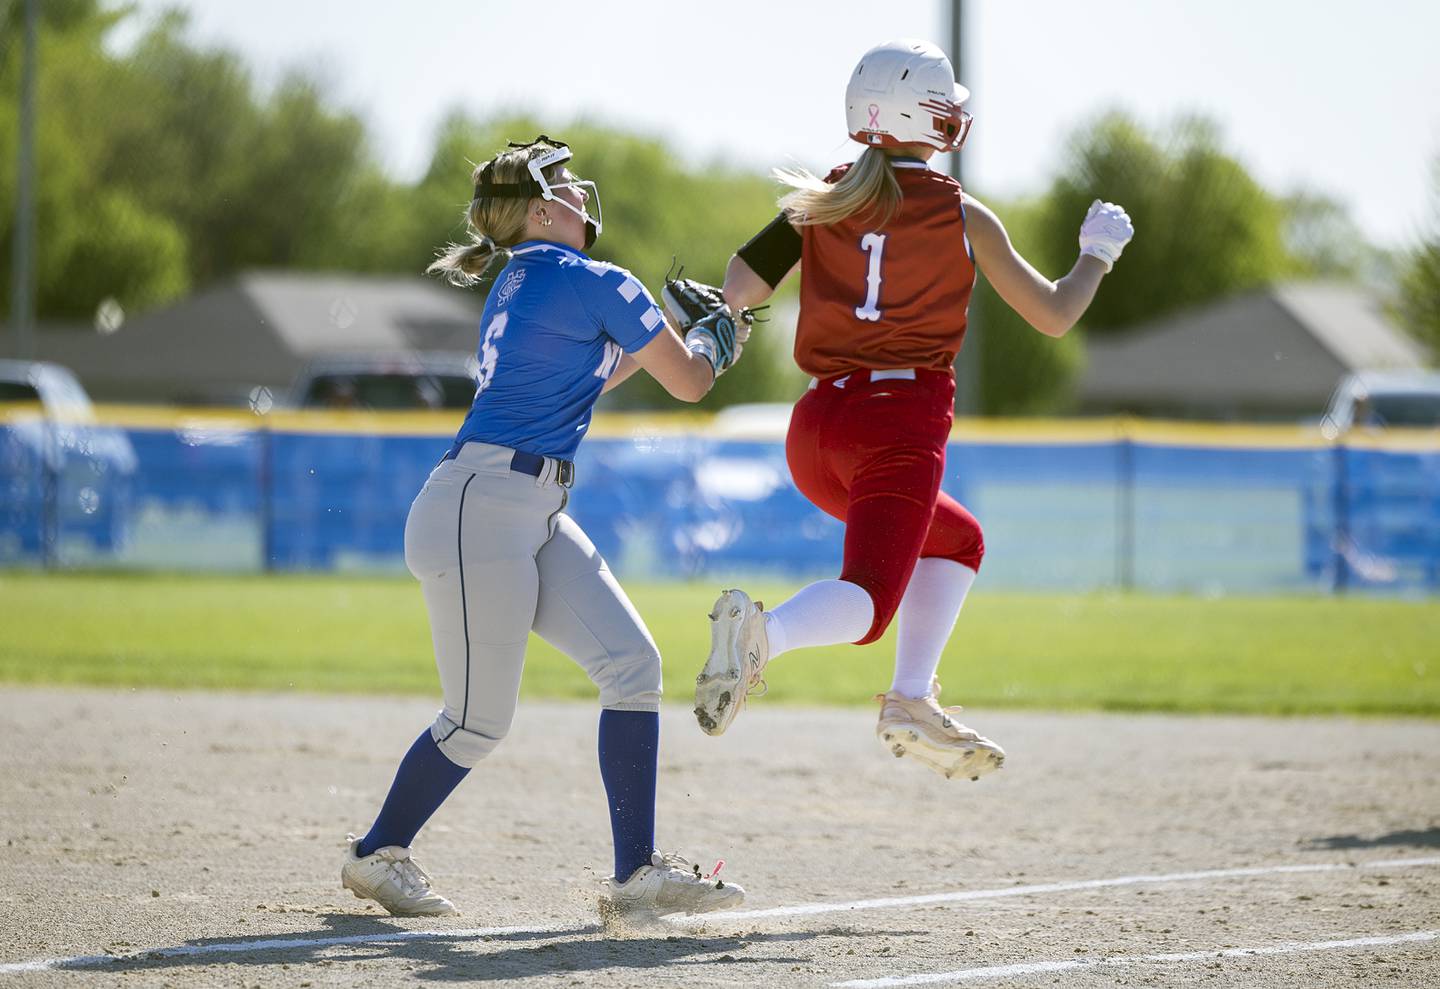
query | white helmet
(904,92)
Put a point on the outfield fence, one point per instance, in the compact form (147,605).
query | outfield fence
(1075,504)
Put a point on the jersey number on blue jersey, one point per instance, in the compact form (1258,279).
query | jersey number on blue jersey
(490,351)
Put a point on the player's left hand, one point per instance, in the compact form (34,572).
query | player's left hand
(716,338)
(688,301)
(1105,232)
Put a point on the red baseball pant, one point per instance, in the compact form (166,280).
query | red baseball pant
(872,453)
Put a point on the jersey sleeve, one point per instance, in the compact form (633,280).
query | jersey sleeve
(621,307)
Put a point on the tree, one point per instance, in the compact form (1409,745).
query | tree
(160,168)
(1420,280)
(94,239)
(1022,371)
(1324,241)
(1205,229)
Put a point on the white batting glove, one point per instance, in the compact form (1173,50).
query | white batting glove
(742,326)
(1105,232)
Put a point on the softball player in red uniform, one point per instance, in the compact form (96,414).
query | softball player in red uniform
(889,249)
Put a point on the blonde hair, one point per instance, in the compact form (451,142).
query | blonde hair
(868,188)
(494,223)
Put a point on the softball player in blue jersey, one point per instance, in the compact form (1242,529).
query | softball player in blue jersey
(494,551)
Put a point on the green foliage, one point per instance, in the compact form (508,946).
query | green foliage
(95,238)
(1022,371)
(161,169)
(139,260)
(1420,280)
(1420,292)
(1205,229)
(1324,240)
(1127,652)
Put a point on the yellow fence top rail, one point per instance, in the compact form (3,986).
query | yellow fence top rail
(1075,431)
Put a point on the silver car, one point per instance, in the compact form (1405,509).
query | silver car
(66,480)
(1384,400)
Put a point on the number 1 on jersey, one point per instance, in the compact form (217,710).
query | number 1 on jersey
(874,245)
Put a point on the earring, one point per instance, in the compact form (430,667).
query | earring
(544,219)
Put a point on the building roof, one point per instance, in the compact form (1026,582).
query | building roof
(1276,352)
(1351,324)
(261,328)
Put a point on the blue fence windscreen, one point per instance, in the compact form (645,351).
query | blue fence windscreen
(1058,514)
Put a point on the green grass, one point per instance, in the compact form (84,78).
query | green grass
(1114,652)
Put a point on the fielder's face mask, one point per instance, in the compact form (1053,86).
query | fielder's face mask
(538,185)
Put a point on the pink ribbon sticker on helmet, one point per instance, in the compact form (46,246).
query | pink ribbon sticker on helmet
(874,115)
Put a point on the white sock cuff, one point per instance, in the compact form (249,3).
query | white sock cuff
(825,613)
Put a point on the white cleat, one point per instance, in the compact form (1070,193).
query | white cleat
(926,732)
(669,884)
(391,878)
(739,650)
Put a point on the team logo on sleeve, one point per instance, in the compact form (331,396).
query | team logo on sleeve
(509,285)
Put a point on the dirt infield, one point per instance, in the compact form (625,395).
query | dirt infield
(194,840)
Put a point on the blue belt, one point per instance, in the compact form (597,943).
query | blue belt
(532,464)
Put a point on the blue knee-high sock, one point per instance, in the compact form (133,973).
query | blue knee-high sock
(629,747)
(425,778)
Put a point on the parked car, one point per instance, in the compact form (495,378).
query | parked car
(376,382)
(1385,399)
(66,481)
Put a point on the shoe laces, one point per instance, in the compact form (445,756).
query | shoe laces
(935,696)
(948,715)
(691,869)
(674,860)
(758,687)
(412,879)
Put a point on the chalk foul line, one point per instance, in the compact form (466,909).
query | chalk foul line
(796,910)
(1071,964)
(961,896)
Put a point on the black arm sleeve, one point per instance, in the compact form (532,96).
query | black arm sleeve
(773,251)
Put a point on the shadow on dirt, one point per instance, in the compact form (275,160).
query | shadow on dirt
(464,955)
(1429,838)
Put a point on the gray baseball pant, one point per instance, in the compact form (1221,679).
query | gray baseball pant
(497,558)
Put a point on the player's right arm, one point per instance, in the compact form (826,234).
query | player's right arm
(1051,307)
(758,268)
(628,315)
(684,373)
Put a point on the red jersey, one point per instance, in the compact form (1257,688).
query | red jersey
(890,297)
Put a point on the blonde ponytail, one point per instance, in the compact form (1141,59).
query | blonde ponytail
(464,265)
(868,188)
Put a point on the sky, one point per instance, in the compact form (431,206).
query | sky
(1340,99)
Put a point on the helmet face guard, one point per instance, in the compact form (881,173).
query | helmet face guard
(539,186)
(952,124)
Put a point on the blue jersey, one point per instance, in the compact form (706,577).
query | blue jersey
(554,329)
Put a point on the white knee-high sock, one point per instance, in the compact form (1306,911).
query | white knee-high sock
(825,613)
(927,617)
